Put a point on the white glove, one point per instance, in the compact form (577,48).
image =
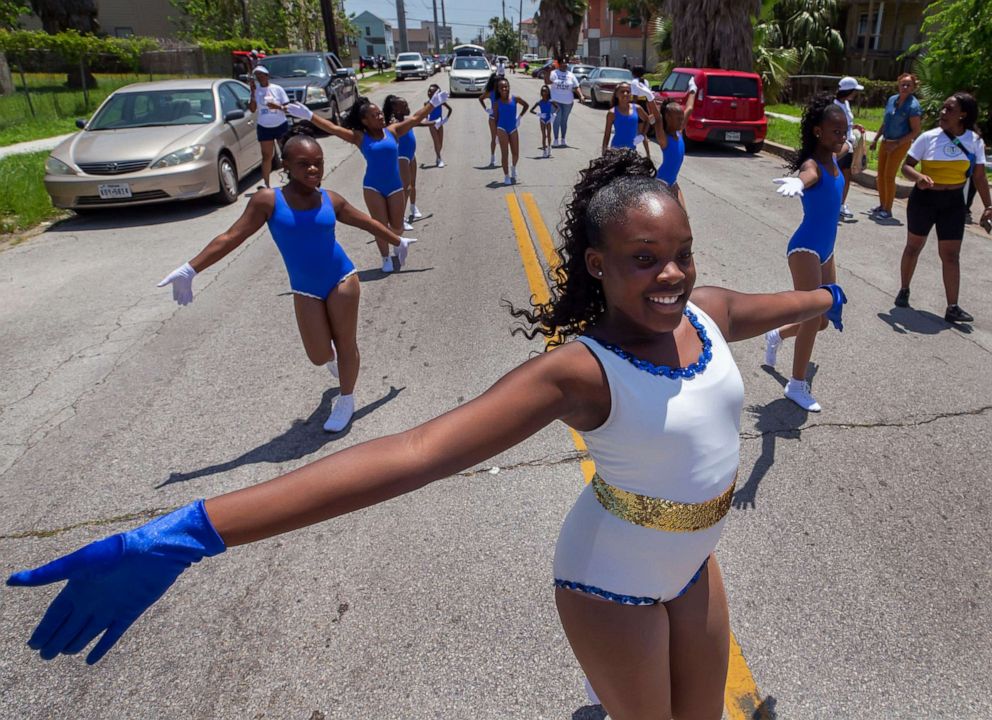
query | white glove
(438,123)
(790,186)
(638,139)
(489,111)
(439,98)
(520,121)
(298,110)
(182,283)
(444,120)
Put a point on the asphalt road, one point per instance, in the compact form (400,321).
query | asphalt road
(856,557)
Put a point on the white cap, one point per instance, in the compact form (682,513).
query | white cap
(260,70)
(849,83)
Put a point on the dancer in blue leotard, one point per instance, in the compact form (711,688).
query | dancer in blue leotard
(301,218)
(489,93)
(626,120)
(366,127)
(811,250)
(546,109)
(396,109)
(507,122)
(437,124)
(669,119)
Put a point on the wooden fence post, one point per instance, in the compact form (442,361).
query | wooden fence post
(27,94)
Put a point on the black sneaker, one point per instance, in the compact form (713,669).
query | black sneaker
(902,299)
(955,314)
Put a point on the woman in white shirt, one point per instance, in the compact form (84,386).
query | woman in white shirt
(847,90)
(268,101)
(564,89)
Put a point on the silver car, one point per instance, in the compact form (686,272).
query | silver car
(599,85)
(158,141)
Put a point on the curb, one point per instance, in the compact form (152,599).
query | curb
(868,178)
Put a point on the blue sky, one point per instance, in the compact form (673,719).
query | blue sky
(464,16)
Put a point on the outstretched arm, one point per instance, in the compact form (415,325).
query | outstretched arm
(742,315)
(256,214)
(418,117)
(301,111)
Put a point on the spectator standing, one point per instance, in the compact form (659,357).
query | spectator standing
(642,94)
(847,90)
(268,101)
(899,129)
(564,89)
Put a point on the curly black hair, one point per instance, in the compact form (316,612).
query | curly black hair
(304,129)
(606,190)
(391,106)
(814,114)
(353,120)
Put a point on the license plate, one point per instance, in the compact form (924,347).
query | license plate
(730,136)
(114,191)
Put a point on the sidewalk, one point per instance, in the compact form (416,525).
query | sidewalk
(33,145)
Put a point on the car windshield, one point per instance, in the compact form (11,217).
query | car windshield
(470,63)
(611,74)
(287,66)
(149,108)
(408,57)
(731,86)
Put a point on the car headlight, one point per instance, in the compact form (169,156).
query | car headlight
(315,94)
(54,166)
(187,154)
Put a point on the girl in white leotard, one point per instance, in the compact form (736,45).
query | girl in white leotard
(651,385)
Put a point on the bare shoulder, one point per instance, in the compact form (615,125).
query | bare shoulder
(263,200)
(715,302)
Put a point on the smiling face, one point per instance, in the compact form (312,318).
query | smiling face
(304,161)
(622,93)
(951,115)
(832,132)
(645,258)
(503,90)
(372,117)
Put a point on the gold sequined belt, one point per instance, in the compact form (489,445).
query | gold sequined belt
(661,514)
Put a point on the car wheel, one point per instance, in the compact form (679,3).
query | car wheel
(227,176)
(399,78)
(754,147)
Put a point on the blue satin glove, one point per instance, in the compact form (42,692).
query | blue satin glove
(834,313)
(112,581)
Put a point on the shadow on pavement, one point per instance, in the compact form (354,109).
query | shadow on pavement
(373,274)
(921,322)
(303,438)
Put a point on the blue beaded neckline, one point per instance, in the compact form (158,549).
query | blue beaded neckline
(688,372)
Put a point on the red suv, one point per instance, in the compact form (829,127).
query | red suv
(730,105)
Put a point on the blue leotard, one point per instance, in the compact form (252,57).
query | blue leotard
(547,110)
(407,145)
(624,128)
(671,159)
(821,208)
(315,262)
(435,113)
(507,116)
(382,171)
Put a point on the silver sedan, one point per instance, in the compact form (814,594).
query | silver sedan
(601,83)
(158,141)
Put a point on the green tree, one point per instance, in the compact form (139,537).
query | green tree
(713,33)
(773,62)
(505,40)
(558,24)
(809,27)
(638,14)
(226,19)
(10,13)
(956,54)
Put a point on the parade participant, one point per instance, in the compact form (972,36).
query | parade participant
(810,253)
(642,94)
(396,109)
(507,122)
(547,109)
(365,126)
(564,90)
(489,93)
(899,128)
(949,156)
(268,101)
(651,384)
(670,119)
(847,90)
(625,120)
(437,124)
(301,218)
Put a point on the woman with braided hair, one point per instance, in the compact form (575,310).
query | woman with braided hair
(642,370)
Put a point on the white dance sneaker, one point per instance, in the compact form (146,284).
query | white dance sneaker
(407,225)
(341,414)
(845,212)
(507,180)
(513,173)
(440,162)
(415,213)
(387,264)
(492,161)
(798,392)
(772,342)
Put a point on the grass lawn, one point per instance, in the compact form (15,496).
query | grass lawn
(24,202)
(371,80)
(786,133)
(871,118)
(55,106)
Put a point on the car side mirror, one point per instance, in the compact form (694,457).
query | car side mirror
(243,77)
(656,88)
(80,123)
(233,115)
(344,72)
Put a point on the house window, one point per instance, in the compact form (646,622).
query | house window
(368,31)
(124,32)
(874,34)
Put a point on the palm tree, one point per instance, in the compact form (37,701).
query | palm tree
(772,61)
(713,33)
(662,40)
(558,23)
(808,26)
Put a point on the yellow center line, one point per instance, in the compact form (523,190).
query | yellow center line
(741,696)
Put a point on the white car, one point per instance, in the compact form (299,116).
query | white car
(411,65)
(469,75)
(529,57)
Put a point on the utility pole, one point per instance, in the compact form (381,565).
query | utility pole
(504,10)
(401,21)
(330,34)
(444,22)
(520,30)
(437,49)
(245,24)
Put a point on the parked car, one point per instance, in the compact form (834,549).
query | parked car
(411,65)
(158,141)
(529,57)
(429,62)
(729,107)
(581,72)
(599,85)
(318,80)
(469,75)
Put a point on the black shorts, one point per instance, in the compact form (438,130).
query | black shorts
(844,162)
(943,208)
(271,133)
